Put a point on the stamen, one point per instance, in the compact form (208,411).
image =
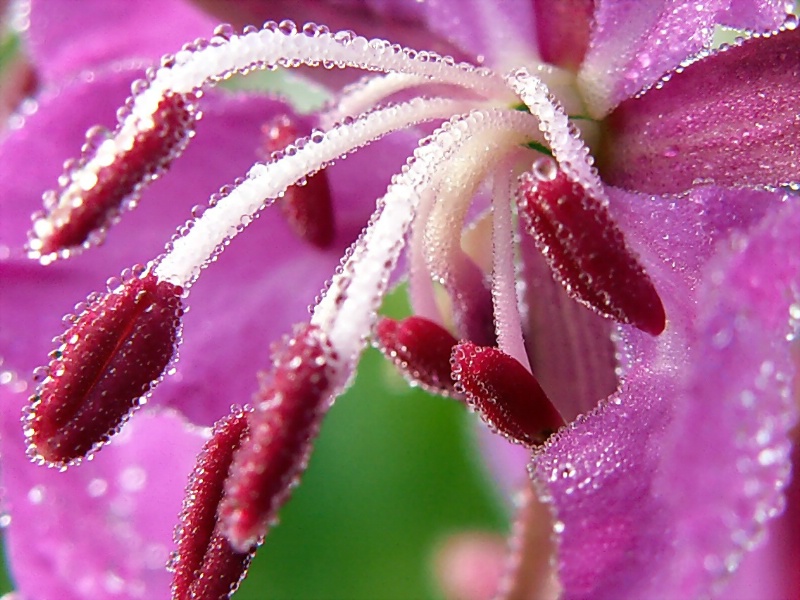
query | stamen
(108,178)
(420,349)
(572,154)
(445,259)
(504,394)
(365,94)
(586,250)
(307,205)
(209,234)
(288,410)
(508,322)
(155,129)
(348,310)
(110,357)
(205,565)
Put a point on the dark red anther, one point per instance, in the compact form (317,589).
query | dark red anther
(289,407)
(307,208)
(420,349)
(504,394)
(87,203)
(586,249)
(206,565)
(109,359)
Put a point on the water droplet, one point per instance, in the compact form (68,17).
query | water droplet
(545,169)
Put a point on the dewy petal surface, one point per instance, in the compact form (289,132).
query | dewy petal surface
(624,525)
(634,42)
(731,119)
(103,530)
(755,15)
(108,32)
(220,346)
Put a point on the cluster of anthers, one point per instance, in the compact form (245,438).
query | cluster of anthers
(505,131)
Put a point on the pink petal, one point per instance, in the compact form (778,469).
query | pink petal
(104,529)
(634,42)
(638,485)
(729,119)
(108,32)
(756,15)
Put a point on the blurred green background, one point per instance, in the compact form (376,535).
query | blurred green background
(393,474)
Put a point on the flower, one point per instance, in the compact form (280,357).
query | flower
(651,497)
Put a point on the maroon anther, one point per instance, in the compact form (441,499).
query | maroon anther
(206,565)
(420,349)
(289,407)
(587,251)
(307,208)
(152,150)
(504,394)
(111,356)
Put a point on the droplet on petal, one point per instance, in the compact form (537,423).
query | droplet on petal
(110,357)
(307,208)
(107,179)
(288,410)
(205,565)
(504,394)
(420,349)
(586,250)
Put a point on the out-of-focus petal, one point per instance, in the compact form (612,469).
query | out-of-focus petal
(634,42)
(65,38)
(102,530)
(731,119)
(252,295)
(628,510)
(562,30)
(756,15)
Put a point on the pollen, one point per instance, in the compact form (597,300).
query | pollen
(111,356)
(586,250)
(504,393)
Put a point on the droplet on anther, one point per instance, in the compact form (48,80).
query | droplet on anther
(205,565)
(420,349)
(107,180)
(586,250)
(308,208)
(111,356)
(506,396)
(289,407)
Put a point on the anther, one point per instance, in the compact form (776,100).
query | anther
(307,208)
(420,349)
(506,396)
(205,564)
(111,356)
(108,178)
(289,407)
(586,250)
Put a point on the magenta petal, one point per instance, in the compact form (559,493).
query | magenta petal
(108,32)
(730,459)
(634,42)
(729,119)
(660,468)
(104,529)
(756,15)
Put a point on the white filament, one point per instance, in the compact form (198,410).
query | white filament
(567,147)
(366,93)
(264,182)
(348,310)
(508,322)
